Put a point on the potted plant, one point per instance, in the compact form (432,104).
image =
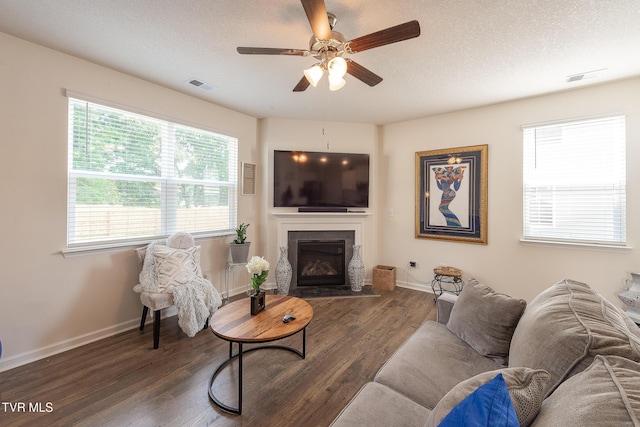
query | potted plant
(240,246)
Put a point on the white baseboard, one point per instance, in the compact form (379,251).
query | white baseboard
(415,286)
(62,346)
(402,284)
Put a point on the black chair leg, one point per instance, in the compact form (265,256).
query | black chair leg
(145,311)
(156,329)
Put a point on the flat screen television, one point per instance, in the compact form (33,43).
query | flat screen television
(323,180)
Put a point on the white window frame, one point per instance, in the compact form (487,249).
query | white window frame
(167,182)
(547,177)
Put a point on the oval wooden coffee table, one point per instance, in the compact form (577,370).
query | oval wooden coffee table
(234,323)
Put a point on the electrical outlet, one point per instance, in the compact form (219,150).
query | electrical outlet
(413,264)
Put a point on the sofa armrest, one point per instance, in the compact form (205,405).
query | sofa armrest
(444,305)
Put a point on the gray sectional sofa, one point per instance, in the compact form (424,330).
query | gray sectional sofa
(568,358)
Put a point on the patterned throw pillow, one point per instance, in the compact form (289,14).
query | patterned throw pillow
(487,406)
(176,267)
(526,388)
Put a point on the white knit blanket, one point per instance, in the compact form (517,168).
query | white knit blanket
(196,301)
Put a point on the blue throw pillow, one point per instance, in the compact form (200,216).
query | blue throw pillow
(488,406)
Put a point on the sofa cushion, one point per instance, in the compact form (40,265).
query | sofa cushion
(566,326)
(430,363)
(487,406)
(526,388)
(378,405)
(486,319)
(607,393)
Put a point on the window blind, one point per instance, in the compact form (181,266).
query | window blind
(133,177)
(575,181)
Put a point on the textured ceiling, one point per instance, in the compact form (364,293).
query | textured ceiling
(470,52)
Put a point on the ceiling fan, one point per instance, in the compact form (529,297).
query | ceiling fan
(330,48)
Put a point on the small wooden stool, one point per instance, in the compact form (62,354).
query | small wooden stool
(450,276)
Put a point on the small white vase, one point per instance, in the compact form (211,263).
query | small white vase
(356,270)
(283,272)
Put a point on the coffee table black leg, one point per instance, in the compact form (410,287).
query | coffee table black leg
(239,378)
(238,410)
(221,405)
(304,343)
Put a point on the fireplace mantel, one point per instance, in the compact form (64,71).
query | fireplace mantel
(352,214)
(297,221)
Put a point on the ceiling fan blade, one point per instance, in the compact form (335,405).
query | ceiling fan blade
(271,51)
(363,74)
(401,32)
(317,15)
(302,85)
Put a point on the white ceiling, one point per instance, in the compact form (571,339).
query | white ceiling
(469,53)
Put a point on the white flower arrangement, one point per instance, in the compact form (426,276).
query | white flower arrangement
(257,265)
(258,268)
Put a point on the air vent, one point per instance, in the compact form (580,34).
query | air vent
(584,76)
(200,84)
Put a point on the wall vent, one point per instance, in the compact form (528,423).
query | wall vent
(584,76)
(200,84)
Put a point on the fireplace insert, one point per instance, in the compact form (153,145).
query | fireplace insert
(321,262)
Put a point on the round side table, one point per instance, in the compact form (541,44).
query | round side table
(446,279)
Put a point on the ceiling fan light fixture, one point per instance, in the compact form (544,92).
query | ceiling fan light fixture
(337,67)
(329,46)
(314,74)
(336,83)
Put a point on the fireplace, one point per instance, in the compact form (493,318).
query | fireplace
(320,257)
(321,263)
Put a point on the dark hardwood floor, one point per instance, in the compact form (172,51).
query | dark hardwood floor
(122,381)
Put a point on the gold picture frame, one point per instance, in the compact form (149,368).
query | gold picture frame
(451,194)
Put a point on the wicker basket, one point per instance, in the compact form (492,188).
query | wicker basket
(384,277)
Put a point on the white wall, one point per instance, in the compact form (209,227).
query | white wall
(506,264)
(47,302)
(283,134)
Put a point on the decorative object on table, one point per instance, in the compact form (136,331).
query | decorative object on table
(258,268)
(240,247)
(283,272)
(384,277)
(451,194)
(257,303)
(356,270)
(632,297)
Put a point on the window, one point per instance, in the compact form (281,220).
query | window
(134,177)
(575,181)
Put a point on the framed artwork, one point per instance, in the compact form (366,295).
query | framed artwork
(248,179)
(451,194)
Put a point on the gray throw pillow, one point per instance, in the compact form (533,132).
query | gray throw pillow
(486,319)
(566,326)
(607,393)
(526,388)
